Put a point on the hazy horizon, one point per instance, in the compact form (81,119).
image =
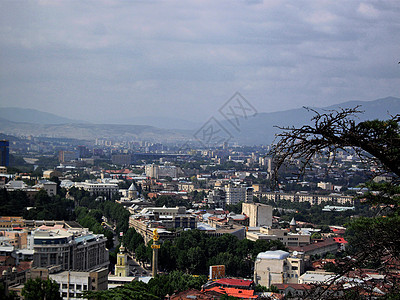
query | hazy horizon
(106,60)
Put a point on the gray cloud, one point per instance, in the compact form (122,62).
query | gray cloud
(100,60)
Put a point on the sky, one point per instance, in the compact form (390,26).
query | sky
(114,61)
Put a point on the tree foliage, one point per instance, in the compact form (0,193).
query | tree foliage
(374,242)
(373,141)
(36,289)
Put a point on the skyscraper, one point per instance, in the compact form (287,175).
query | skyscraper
(4,153)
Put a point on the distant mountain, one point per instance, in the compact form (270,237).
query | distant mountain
(257,130)
(158,121)
(33,116)
(261,129)
(93,131)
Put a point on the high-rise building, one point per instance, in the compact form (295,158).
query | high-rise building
(4,153)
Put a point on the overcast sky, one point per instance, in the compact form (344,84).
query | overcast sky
(104,60)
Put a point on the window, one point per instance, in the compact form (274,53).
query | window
(78,286)
(64,285)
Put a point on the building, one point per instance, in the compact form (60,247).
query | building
(81,251)
(49,186)
(313,199)
(66,156)
(4,153)
(121,268)
(237,193)
(318,247)
(157,172)
(73,283)
(286,237)
(216,198)
(51,173)
(164,218)
(259,214)
(96,188)
(121,159)
(272,267)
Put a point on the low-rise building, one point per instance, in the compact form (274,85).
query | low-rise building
(286,237)
(272,267)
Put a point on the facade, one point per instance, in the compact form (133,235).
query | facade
(283,235)
(216,198)
(313,199)
(235,194)
(259,214)
(96,188)
(73,283)
(4,153)
(272,267)
(58,247)
(157,172)
(165,218)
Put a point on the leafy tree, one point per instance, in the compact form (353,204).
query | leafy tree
(35,289)
(375,241)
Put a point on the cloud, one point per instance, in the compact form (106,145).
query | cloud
(89,59)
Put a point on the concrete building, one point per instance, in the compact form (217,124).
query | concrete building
(71,251)
(164,218)
(49,186)
(259,214)
(96,188)
(313,199)
(157,172)
(237,193)
(272,267)
(73,283)
(286,237)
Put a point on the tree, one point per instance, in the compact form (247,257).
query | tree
(36,289)
(373,242)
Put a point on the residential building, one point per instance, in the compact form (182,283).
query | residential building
(237,193)
(313,199)
(259,214)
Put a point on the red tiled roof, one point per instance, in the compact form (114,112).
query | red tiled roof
(239,293)
(234,282)
(340,240)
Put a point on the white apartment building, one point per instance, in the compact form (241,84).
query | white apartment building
(237,193)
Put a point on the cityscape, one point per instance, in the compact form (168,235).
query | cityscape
(171,151)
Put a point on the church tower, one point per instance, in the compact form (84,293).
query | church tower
(132,192)
(121,268)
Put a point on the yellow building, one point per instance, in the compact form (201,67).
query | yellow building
(121,268)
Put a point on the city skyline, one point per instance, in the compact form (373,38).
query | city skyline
(119,60)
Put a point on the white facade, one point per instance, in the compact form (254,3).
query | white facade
(98,188)
(272,267)
(259,214)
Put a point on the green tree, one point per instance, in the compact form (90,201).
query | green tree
(36,289)
(373,241)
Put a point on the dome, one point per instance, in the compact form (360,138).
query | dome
(277,254)
(132,187)
(293,222)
